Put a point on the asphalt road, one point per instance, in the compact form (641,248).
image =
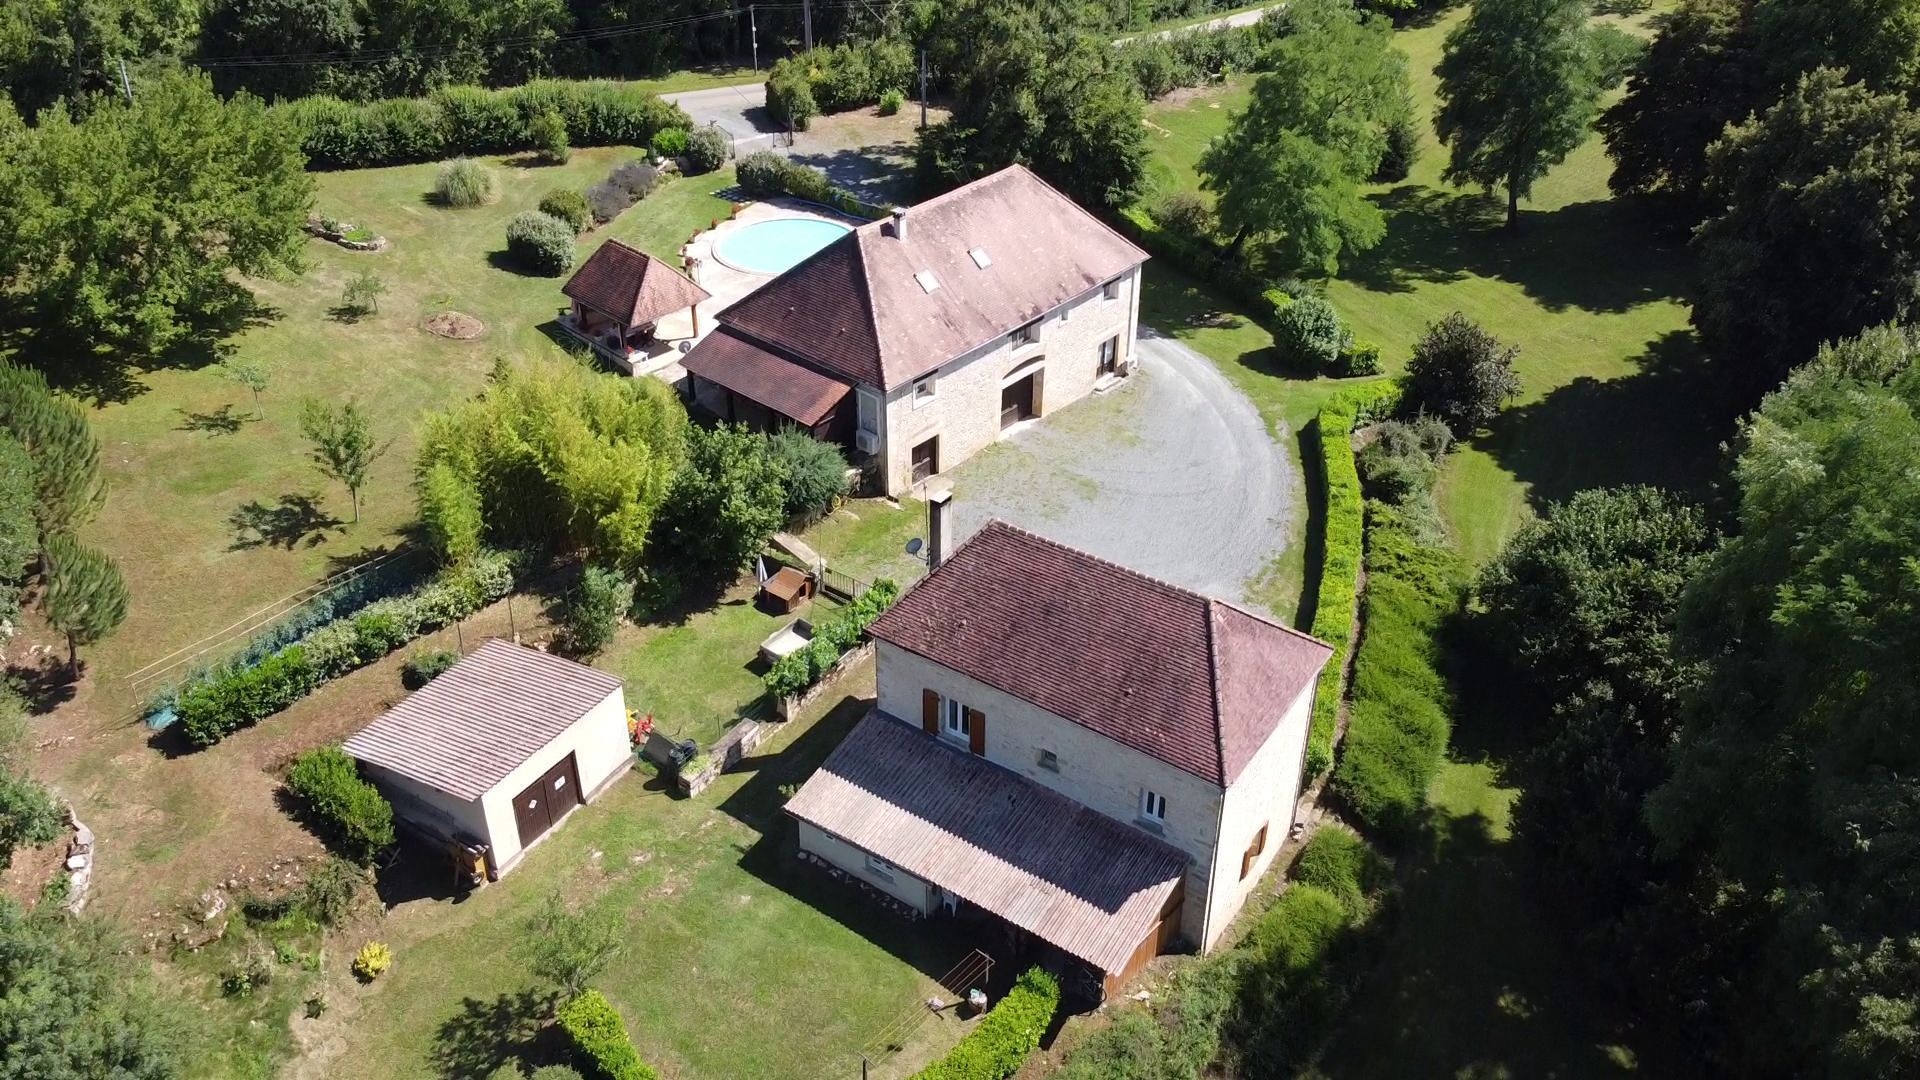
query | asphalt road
(1174,474)
(741,110)
(1238,18)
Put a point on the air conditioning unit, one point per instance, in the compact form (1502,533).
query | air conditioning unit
(867,442)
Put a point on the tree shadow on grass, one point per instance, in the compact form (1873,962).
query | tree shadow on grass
(295,521)
(485,1035)
(46,683)
(504,260)
(1593,256)
(103,372)
(220,421)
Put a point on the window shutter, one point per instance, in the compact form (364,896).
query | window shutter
(930,711)
(977,731)
(1246,862)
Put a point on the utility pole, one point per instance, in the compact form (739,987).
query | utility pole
(806,22)
(126,84)
(923,88)
(753,35)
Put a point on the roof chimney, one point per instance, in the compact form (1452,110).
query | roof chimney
(939,528)
(899,223)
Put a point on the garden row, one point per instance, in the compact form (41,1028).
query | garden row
(999,1044)
(792,675)
(465,120)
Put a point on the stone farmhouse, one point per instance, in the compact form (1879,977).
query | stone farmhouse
(920,340)
(1094,763)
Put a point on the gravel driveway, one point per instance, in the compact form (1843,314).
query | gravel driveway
(1173,474)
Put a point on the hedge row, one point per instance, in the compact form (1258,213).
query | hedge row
(356,817)
(215,709)
(470,120)
(790,676)
(836,79)
(599,1037)
(1162,64)
(1201,257)
(1397,730)
(1341,553)
(765,173)
(1001,1041)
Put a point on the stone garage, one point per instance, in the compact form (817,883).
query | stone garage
(498,750)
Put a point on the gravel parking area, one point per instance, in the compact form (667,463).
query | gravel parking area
(1173,474)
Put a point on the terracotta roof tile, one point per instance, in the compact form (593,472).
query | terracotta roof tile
(1194,682)
(856,309)
(631,285)
(1068,874)
(480,719)
(740,365)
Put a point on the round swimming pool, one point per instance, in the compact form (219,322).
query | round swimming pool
(776,245)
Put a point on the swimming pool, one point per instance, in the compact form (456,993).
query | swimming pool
(775,246)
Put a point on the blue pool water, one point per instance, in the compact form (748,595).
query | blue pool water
(773,247)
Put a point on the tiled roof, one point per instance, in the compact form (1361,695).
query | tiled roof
(482,718)
(756,373)
(856,308)
(631,285)
(1195,682)
(1043,862)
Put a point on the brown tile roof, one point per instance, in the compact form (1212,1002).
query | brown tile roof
(855,307)
(1039,860)
(1197,683)
(761,375)
(631,285)
(480,719)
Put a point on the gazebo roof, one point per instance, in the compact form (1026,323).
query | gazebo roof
(631,285)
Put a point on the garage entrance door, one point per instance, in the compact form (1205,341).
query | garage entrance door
(1016,402)
(547,800)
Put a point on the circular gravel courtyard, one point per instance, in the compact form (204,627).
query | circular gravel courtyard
(1173,474)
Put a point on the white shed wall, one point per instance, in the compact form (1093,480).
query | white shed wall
(902,886)
(602,751)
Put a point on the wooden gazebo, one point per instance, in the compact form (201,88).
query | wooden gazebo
(620,293)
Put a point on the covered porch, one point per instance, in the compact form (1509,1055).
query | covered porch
(631,309)
(740,381)
(947,833)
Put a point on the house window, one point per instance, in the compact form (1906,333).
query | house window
(1026,335)
(1111,290)
(1253,852)
(879,867)
(1109,355)
(922,391)
(953,720)
(1153,809)
(1049,761)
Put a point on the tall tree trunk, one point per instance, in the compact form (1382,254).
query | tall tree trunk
(1513,204)
(73,657)
(354,494)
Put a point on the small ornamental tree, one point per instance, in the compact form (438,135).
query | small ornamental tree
(252,374)
(362,294)
(549,135)
(1460,374)
(343,447)
(567,948)
(592,613)
(86,598)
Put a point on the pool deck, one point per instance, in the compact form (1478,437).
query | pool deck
(725,283)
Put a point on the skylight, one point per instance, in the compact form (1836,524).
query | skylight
(980,258)
(927,281)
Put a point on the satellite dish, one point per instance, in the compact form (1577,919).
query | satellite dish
(914,545)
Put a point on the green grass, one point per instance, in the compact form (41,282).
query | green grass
(738,961)
(185,452)
(867,538)
(707,78)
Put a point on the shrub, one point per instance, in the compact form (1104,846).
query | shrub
(540,242)
(790,96)
(792,675)
(762,173)
(209,711)
(1461,374)
(1288,980)
(599,1036)
(1403,146)
(707,149)
(377,633)
(1358,359)
(1310,332)
(330,891)
(815,471)
(464,182)
(1130,1048)
(1399,722)
(1184,213)
(508,1070)
(555,1072)
(423,667)
(1339,571)
(592,612)
(1402,462)
(351,811)
(1154,65)
(636,178)
(1615,53)
(569,206)
(1001,1041)
(890,102)
(373,958)
(548,133)
(669,143)
(1340,862)
(607,200)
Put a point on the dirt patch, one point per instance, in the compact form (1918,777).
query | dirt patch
(456,325)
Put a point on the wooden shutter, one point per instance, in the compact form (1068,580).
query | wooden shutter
(930,711)
(977,731)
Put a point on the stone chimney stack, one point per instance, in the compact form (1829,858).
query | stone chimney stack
(899,223)
(939,528)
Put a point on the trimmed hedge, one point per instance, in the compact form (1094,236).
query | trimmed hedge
(470,120)
(599,1037)
(242,696)
(763,173)
(791,675)
(836,78)
(350,810)
(1398,728)
(1341,553)
(1000,1043)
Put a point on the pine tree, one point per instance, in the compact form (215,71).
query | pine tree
(66,457)
(86,598)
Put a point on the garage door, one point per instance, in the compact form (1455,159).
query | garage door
(547,800)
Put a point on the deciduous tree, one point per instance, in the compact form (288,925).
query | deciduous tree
(725,506)
(252,374)
(1461,374)
(343,446)
(1518,92)
(567,948)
